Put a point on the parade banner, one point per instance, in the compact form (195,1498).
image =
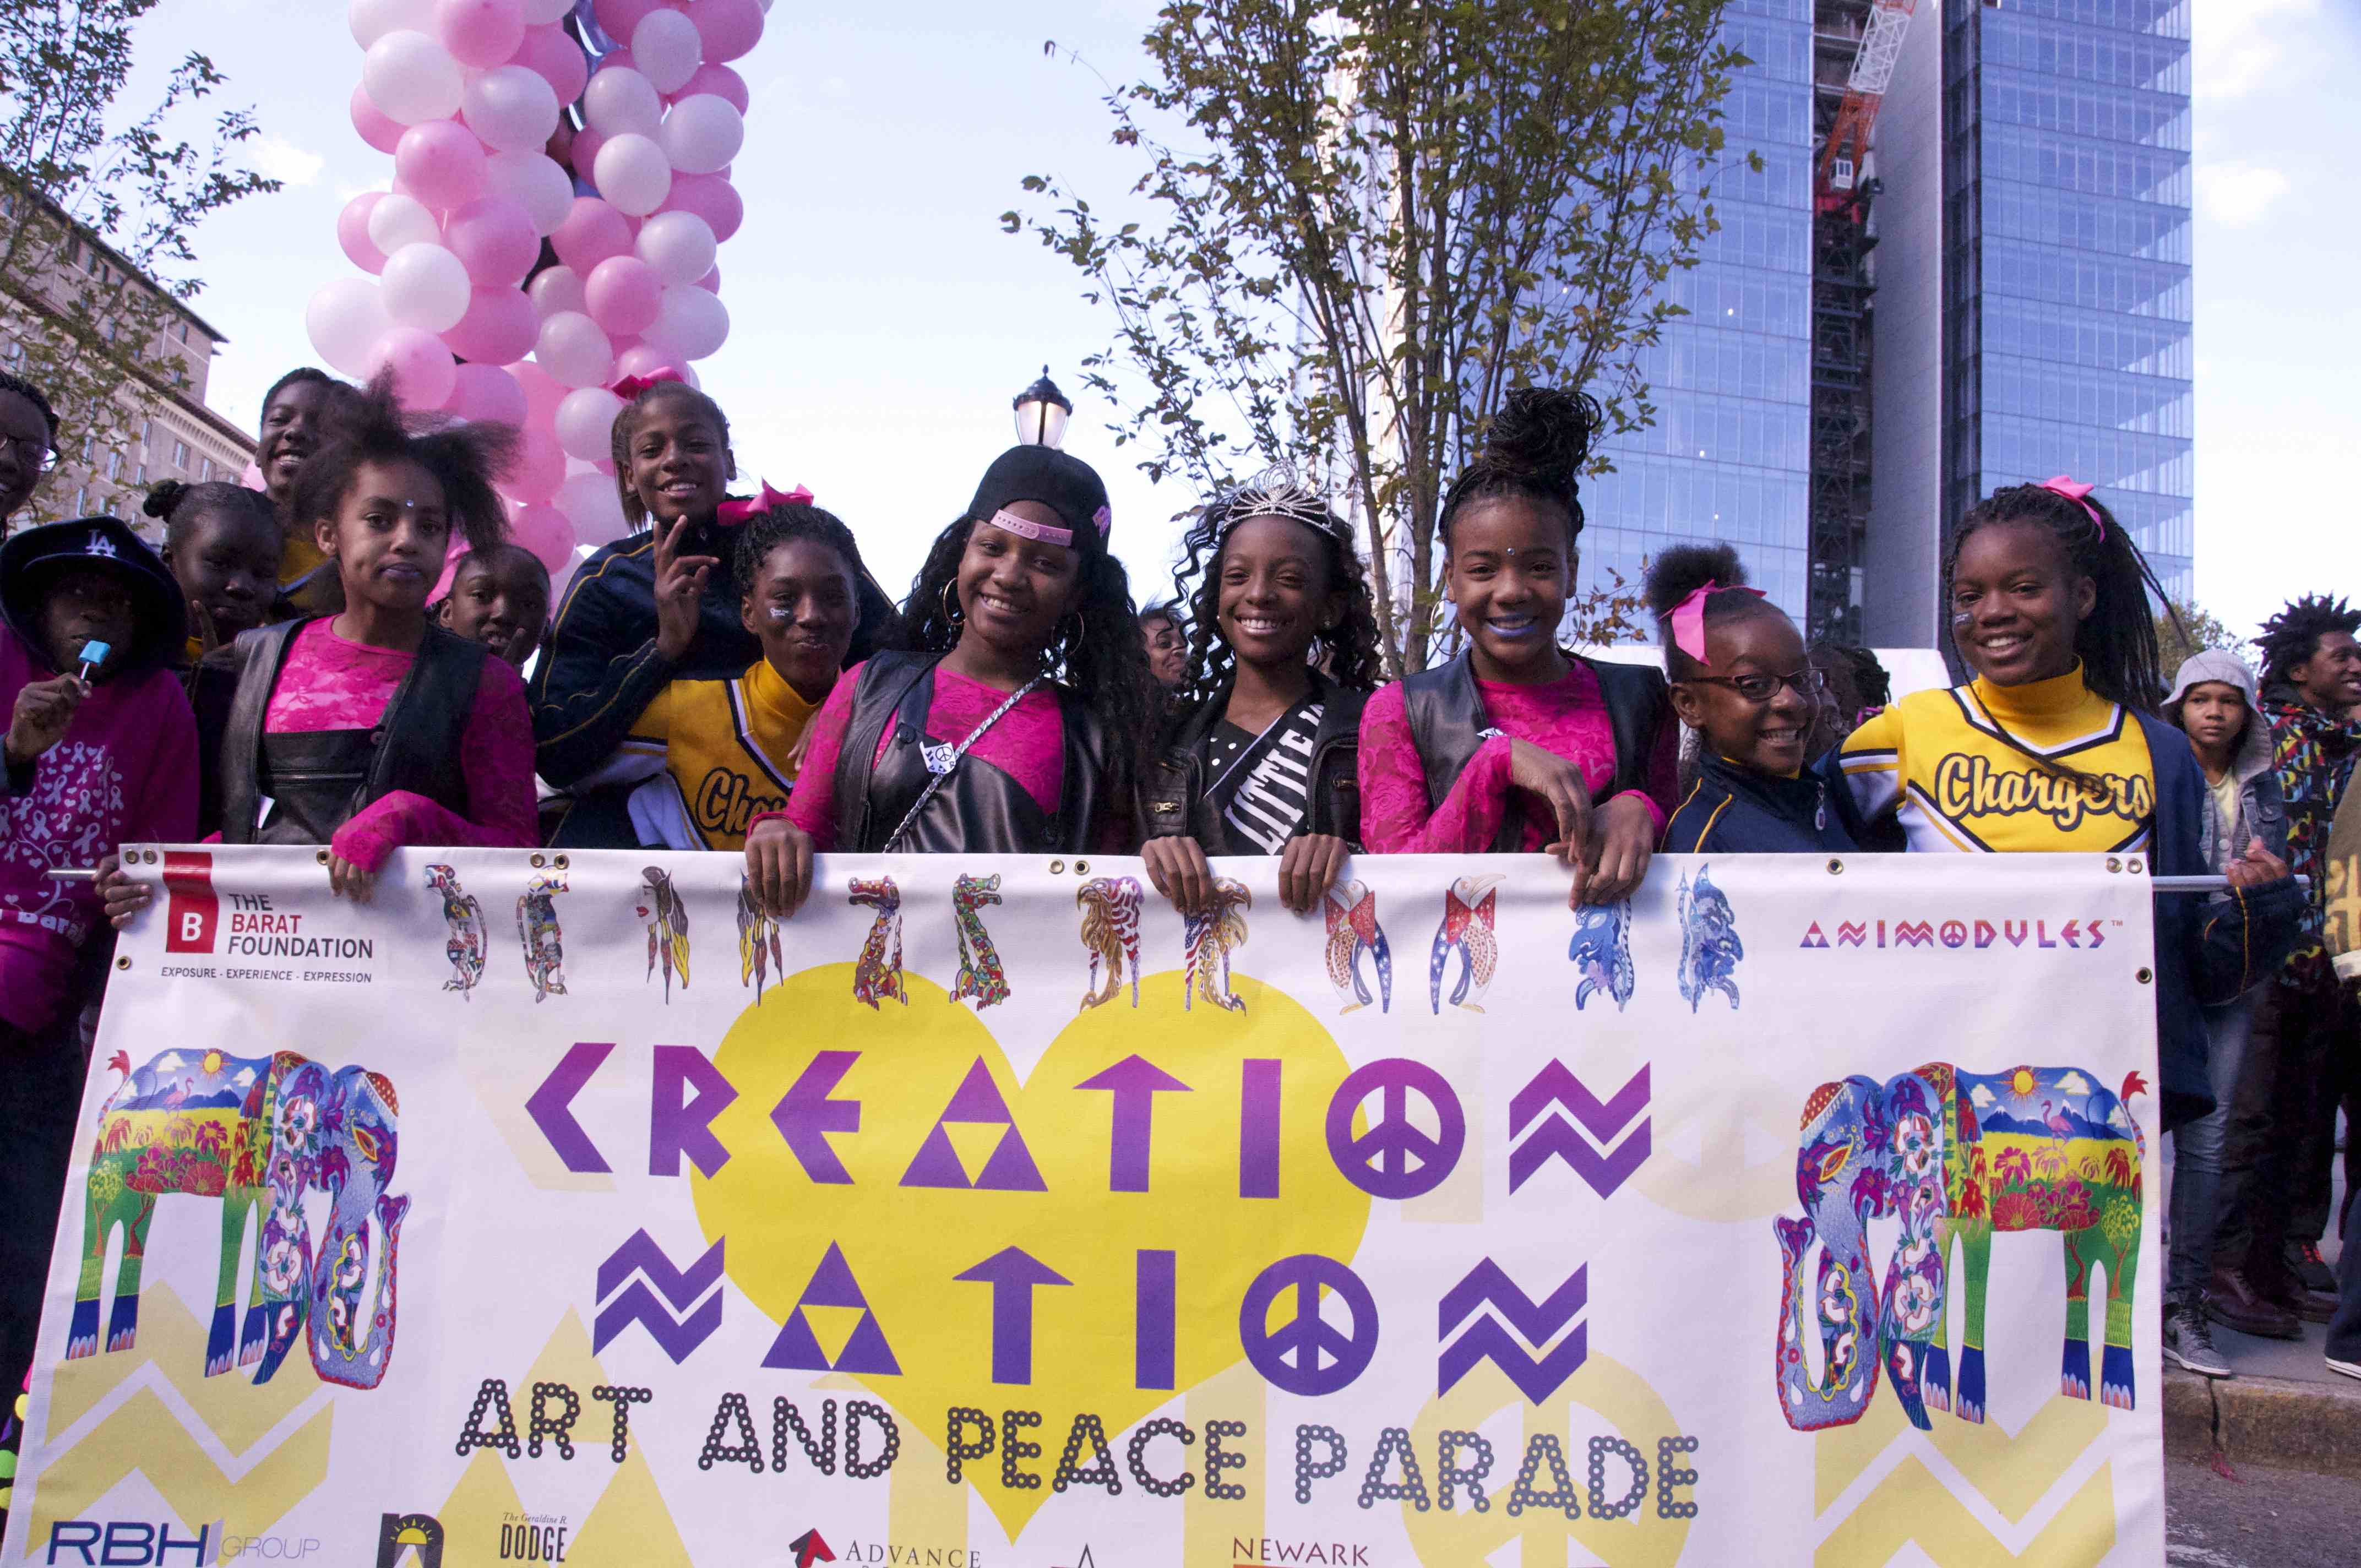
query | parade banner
(564,1209)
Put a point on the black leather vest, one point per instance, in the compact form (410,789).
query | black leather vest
(1447,723)
(1176,800)
(317,780)
(979,810)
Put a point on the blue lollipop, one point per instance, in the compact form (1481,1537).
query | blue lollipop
(92,655)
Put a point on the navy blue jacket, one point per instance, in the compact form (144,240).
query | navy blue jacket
(1737,811)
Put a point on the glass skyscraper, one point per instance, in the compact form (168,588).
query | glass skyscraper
(2066,257)
(1728,456)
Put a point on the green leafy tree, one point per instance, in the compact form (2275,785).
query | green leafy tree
(2187,627)
(1363,222)
(87,328)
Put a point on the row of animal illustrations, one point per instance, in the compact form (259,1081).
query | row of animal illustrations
(1358,952)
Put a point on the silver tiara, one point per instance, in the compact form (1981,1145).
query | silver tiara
(1274,492)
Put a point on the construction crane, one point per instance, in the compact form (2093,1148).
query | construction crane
(1872,71)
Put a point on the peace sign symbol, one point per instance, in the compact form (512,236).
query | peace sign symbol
(1378,1161)
(1307,1336)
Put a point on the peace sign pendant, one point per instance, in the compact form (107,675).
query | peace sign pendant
(938,755)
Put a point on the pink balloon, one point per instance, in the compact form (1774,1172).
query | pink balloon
(621,59)
(542,393)
(710,197)
(640,360)
(711,281)
(493,238)
(441,163)
(623,293)
(618,17)
(538,468)
(500,325)
(545,531)
(481,33)
(582,152)
(352,232)
(370,120)
(486,393)
(717,80)
(591,233)
(731,27)
(424,373)
(558,58)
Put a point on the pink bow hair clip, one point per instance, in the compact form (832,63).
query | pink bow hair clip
(630,387)
(2079,494)
(739,512)
(1688,618)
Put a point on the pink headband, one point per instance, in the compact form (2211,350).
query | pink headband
(1027,529)
(1688,618)
(630,387)
(739,512)
(2079,495)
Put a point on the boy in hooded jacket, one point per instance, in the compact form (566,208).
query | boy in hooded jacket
(2213,703)
(100,750)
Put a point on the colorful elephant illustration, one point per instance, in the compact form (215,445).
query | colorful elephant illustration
(1954,1156)
(258,1132)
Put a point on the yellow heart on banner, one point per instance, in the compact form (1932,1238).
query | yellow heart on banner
(1036,1167)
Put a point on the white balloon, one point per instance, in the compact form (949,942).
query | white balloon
(411,79)
(586,422)
(538,11)
(590,504)
(690,323)
(537,184)
(557,288)
(702,133)
(426,287)
(622,102)
(666,47)
(511,109)
(633,175)
(574,350)
(344,320)
(372,19)
(679,245)
(398,220)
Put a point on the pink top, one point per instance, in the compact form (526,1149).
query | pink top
(328,683)
(1566,715)
(1029,744)
(125,773)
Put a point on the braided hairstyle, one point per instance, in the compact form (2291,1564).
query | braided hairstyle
(2116,642)
(792,523)
(1536,449)
(1097,651)
(1346,650)
(1680,571)
(627,427)
(2293,635)
(368,426)
(181,505)
(35,396)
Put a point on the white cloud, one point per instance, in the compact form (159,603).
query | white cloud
(2237,194)
(2235,48)
(281,159)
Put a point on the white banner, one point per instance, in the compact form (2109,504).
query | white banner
(987,1213)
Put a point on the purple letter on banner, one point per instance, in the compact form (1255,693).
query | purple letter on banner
(1012,1272)
(1258,1127)
(1152,1324)
(677,1128)
(549,1106)
(1135,1082)
(804,1114)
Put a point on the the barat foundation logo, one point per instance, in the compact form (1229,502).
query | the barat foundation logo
(2079,935)
(199,919)
(407,1539)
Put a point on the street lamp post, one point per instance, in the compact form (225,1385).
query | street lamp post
(1041,414)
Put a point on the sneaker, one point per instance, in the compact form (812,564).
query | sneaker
(2233,1302)
(2304,1261)
(2188,1340)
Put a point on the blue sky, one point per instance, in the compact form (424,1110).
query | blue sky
(882,321)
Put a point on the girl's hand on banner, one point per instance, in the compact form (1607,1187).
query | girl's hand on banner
(2256,867)
(122,897)
(1177,868)
(1308,868)
(778,867)
(346,880)
(1623,836)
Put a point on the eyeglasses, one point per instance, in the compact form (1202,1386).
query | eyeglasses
(36,452)
(1809,684)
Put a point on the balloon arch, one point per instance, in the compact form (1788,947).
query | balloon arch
(604,128)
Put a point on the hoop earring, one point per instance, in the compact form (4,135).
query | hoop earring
(1082,632)
(950,605)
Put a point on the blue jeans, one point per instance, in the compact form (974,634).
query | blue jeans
(2196,1207)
